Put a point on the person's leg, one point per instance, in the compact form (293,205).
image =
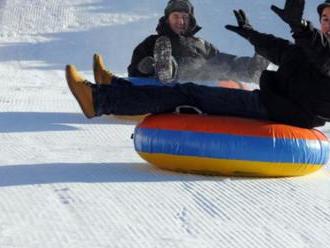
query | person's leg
(123,98)
(136,100)
(225,101)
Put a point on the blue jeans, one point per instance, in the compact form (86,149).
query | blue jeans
(123,98)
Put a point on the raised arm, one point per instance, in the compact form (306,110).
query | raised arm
(222,66)
(315,44)
(227,66)
(269,46)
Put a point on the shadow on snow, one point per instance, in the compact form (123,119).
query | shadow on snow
(41,122)
(15,175)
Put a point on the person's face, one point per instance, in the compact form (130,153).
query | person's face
(179,22)
(325,21)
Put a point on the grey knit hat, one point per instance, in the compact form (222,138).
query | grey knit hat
(322,6)
(179,5)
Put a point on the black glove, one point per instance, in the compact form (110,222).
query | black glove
(244,27)
(292,14)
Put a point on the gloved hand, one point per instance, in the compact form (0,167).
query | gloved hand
(292,14)
(146,65)
(244,27)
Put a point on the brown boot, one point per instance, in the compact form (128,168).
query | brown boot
(101,74)
(81,89)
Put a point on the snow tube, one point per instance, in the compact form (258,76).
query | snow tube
(220,145)
(232,85)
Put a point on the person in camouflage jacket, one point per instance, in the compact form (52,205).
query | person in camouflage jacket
(193,59)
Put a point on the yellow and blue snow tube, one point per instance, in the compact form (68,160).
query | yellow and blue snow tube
(220,145)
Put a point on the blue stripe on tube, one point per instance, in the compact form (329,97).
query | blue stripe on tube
(226,146)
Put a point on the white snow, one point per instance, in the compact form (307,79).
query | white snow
(66,181)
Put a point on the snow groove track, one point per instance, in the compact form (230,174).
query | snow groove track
(66,181)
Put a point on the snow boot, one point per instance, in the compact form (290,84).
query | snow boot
(101,74)
(163,59)
(81,89)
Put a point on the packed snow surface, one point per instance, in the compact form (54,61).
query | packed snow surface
(66,181)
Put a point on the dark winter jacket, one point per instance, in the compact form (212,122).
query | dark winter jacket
(198,59)
(298,92)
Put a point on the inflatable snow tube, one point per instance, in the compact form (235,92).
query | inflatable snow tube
(233,85)
(220,145)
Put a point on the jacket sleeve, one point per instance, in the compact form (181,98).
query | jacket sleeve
(211,50)
(316,46)
(226,66)
(247,69)
(272,48)
(144,49)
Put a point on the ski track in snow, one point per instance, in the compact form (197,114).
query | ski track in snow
(66,181)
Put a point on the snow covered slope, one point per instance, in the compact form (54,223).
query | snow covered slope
(66,181)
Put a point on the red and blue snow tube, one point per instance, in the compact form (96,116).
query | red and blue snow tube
(220,145)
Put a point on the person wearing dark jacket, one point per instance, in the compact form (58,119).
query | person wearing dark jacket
(298,93)
(188,57)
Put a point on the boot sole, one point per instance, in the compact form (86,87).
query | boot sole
(162,57)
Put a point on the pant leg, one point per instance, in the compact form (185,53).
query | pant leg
(135,100)
(121,97)
(120,82)
(224,101)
